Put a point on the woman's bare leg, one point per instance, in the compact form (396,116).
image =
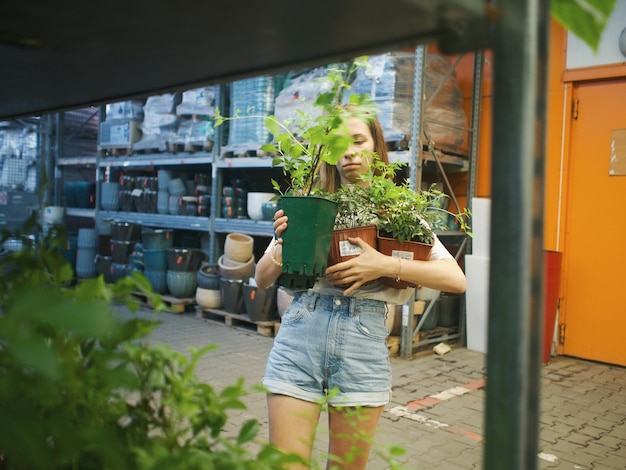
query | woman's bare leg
(293,423)
(351,436)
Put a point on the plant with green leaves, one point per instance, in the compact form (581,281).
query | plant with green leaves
(405,214)
(355,207)
(324,138)
(80,387)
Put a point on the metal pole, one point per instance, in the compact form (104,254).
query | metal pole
(415,181)
(516,219)
(536,312)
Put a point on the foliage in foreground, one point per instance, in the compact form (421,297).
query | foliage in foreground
(80,388)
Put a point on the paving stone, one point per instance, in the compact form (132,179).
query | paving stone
(582,419)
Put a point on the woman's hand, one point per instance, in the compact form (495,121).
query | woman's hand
(268,269)
(359,270)
(280,224)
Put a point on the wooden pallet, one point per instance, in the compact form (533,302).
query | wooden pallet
(174,304)
(265,328)
(149,149)
(115,152)
(393,344)
(243,152)
(191,147)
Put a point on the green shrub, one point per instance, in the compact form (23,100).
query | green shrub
(81,388)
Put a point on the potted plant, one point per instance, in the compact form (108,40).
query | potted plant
(406,219)
(356,217)
(324,139)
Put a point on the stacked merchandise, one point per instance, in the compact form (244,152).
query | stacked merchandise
(195,130)
(121,128)
(253,99)
(159,123)
(389,79)
(19,150)
(294,104)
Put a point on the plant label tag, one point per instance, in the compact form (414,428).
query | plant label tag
(348,249)
(402,254)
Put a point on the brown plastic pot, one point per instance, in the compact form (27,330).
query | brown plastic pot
(342,250)
(407,250)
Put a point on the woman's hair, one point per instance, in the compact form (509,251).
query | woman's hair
(329,176)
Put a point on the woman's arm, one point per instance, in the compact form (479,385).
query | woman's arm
(269,267)
(442,274)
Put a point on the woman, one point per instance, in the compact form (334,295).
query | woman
(332,342)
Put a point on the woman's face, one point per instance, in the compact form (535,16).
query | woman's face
(356,161)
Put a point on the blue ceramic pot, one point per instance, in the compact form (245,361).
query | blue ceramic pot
(209,277)
(157,279)
(182,284)
(157,239)
(155,259)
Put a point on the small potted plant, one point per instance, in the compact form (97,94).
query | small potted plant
(356,217)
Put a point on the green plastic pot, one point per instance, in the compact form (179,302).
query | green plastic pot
(306,242)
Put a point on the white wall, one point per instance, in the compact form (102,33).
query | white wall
(581,55)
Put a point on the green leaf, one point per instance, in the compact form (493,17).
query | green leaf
(584,18)
(272,125)
(248,431)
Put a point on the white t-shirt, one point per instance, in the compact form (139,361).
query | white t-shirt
(375,290)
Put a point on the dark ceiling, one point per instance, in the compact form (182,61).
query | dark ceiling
(65,54)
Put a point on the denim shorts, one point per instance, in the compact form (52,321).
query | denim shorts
(334,349)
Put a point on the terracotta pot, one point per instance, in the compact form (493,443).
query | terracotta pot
(238,247)
(342,250)
(230,269)
(406,250)
(209,298)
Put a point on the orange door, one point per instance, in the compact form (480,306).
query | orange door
(593,304)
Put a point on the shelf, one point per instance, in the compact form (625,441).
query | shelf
(449,162)
(77,161)
(78,212)
(246,162)
(159,220)
(249,226)
(157,159)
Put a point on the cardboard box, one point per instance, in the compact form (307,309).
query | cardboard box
(118,133)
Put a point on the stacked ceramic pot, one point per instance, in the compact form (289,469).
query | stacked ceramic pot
(176,189)
(103,257)
(155,245)
(124,236)
(208,292)
(182,271)
(203,192)
(146,200)
(110,196)
(236,266)
(86,253)
(127,185)
(234,202)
